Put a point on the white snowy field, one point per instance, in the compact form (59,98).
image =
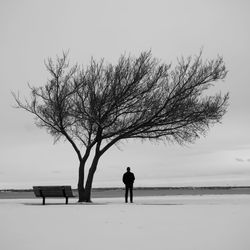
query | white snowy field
(151,223)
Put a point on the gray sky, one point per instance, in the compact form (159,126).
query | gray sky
(32,31)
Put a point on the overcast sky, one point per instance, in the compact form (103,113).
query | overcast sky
(32,31)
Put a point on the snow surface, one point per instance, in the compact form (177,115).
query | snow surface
(208,222)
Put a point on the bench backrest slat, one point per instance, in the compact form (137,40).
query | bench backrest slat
(53,191)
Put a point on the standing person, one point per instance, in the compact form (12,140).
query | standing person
(128,179)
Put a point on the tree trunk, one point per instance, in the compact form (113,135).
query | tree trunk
(81,191)
(80,186)
(85,193)
(88,186)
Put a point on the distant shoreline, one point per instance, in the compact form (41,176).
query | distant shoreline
(139,191)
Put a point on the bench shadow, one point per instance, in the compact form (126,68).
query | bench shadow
(63,204)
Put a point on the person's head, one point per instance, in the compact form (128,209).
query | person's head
(128,169)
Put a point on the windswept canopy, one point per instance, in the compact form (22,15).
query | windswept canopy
(137,98)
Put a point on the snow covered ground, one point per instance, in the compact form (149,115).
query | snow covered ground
(151,223)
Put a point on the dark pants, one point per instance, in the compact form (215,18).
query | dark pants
(130,189)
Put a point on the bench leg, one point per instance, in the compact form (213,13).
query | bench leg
(66,200)
(43,200)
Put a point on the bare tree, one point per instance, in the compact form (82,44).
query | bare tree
(139,98)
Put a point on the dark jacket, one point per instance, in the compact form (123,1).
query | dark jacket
(128,178)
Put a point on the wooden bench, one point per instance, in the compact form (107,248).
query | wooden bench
(53,191)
